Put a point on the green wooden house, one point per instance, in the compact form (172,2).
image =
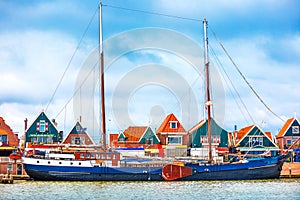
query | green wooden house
(43,131)
(253,140)
(198,135)
(135,135)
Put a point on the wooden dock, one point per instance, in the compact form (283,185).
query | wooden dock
(290,170)
(6,178)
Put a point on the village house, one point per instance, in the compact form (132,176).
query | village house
(42,131)
(78,136)
(289,137)
(173,137)
(138,140)
(253,140)
(10,158)
(198,140)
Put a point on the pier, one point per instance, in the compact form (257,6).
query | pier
(290,170)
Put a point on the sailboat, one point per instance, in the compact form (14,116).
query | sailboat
(104,165)
(92,165)
(243,169)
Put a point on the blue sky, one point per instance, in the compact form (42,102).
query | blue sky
(38,39)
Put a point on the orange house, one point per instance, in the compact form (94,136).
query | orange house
(173,136)
(9,143)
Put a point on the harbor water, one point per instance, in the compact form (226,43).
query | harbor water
(258,189)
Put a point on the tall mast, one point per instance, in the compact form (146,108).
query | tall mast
(208,100)
(101,84)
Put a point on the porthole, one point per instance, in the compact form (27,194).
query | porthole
(71,163)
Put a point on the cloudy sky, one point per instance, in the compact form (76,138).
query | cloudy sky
(153,62)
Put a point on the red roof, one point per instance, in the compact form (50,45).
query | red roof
(285,127)
(12,139)
(134,133)
(165,126)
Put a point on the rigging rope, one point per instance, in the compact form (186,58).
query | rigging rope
(232,85)
(72,57)
(153,13)
(252,89)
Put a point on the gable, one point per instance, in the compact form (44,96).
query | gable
(149,137)
(42,129)
(78,136)
(170,124)
(197,135)
(285,127)
(7,136)
(293,130)
(121,137)
(255,137)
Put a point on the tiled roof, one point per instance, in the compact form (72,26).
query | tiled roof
(165,126)
(134,133)
(285,127)
(243,132)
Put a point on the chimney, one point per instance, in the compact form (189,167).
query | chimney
(54,122)
(25,122)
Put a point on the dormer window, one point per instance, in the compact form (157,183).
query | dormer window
(173,124)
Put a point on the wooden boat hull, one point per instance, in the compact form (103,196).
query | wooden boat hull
(264,168)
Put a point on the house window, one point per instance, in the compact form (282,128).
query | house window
(173,124)
(255,141)
(149,141)
(42,126)
(295,129)
(289,142)
(3,138)
(174,140)
(77,128)
(77,140)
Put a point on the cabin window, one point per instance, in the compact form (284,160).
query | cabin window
(10,167)
(174,140)
(173,124)
(82,156)
(3,138)
(295,129)
(256,141)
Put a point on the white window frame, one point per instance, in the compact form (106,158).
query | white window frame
(42,126)
(295,129)
(169,137)
(173,122)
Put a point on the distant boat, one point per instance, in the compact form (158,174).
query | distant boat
(242,169)
(101,165)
